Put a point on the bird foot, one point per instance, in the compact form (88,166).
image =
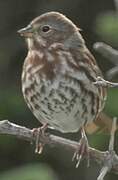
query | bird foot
(37,133)
(82,150)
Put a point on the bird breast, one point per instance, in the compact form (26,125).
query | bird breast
(66,101)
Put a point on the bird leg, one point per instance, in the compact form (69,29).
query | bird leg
(37,133)
(82,150)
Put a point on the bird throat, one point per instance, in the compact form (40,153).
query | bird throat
(35,44)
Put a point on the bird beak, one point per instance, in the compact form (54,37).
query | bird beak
(26,32)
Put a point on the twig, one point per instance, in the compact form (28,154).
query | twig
(110,158)
(103,172)
(109,53)
(102,82)
(24,133)
(111,142)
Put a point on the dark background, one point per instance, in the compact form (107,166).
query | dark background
(99,21)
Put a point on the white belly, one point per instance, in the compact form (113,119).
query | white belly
(64,106)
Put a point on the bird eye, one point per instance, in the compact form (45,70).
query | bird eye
(45,28)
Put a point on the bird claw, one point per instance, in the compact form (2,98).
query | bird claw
(82,150)
(37,133)
(39,148)
(77,157)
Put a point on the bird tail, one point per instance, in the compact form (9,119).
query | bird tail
(103,123)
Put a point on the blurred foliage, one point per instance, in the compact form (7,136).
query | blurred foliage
(112,103)
(107,27)
(98,24)
(29,172)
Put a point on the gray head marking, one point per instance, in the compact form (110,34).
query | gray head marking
(53,27)
(54,19)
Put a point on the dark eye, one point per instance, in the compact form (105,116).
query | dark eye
(45,28)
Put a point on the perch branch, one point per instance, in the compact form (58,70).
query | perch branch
(24,133)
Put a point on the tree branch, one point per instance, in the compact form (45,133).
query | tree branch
(24,133)
(110,158)
(109,53)
(116,5)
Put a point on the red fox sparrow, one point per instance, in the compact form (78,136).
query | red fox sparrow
(58,74)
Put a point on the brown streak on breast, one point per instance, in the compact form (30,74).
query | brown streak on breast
(35,61)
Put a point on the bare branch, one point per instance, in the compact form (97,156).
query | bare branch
(111,142)
(116,5)
(102,82)
(103,172)
(110,158)
(112,72)
(24,133)
(109,53)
